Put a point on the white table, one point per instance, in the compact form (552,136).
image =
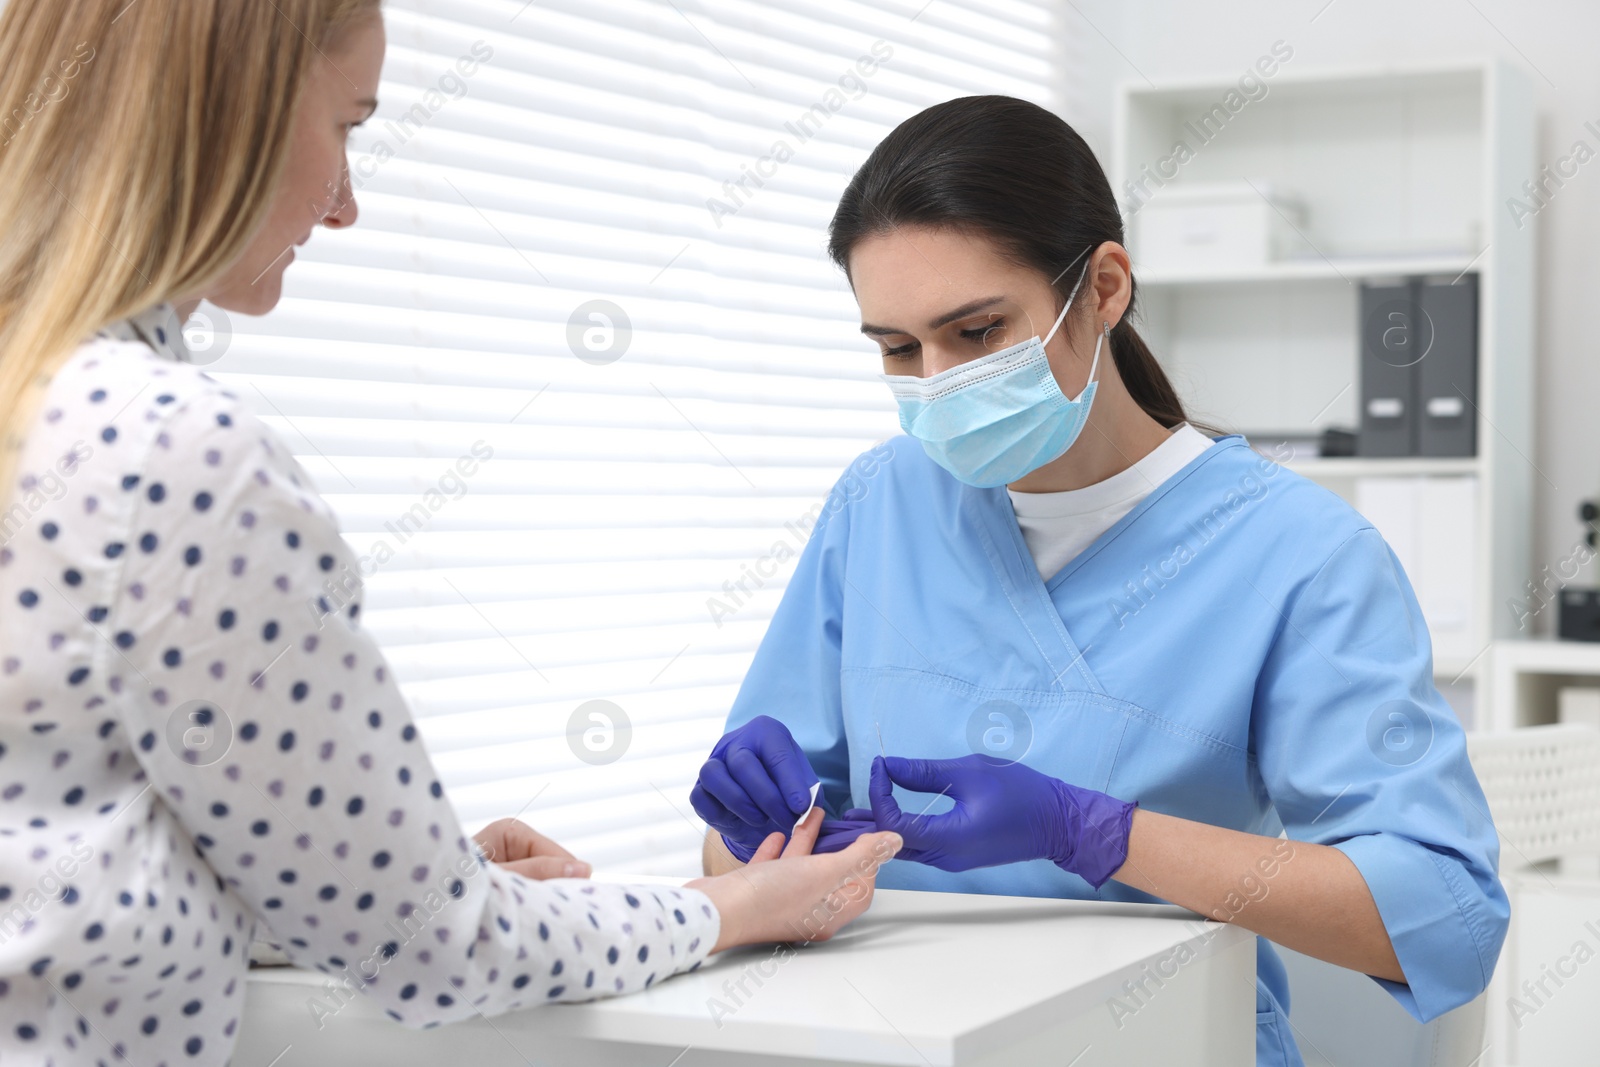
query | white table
(923,979)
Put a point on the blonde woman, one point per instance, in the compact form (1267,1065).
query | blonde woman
(187,759)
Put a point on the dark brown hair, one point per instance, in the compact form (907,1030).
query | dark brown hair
(1019,175)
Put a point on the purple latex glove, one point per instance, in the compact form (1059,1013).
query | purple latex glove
(757,780)
(838,834)
(1004,813)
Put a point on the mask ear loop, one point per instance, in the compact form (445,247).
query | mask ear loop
(1070,298)
(1105,327)
(1105,335)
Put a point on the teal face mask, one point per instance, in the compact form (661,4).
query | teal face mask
(999,417)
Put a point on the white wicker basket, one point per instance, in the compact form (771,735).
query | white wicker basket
(1543,787)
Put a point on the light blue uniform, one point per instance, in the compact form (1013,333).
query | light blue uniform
(1241,649)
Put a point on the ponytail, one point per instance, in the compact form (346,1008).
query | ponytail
(1146,382)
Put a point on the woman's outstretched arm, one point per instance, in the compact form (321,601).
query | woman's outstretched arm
(280,750)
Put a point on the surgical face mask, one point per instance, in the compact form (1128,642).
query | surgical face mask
(1001,416)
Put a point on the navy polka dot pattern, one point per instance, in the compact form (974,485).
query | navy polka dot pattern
(194,754)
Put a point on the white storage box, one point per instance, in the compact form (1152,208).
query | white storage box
(1578,704)
(1216,226)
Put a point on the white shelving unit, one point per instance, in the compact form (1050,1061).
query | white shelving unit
(1403,172)
(1525,679)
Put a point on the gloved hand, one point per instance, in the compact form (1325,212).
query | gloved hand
(1004,813)
(842,832)
(757,780)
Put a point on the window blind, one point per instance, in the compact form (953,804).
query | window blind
(582,373)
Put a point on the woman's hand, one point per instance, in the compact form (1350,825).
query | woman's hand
(788,894)
(518,847)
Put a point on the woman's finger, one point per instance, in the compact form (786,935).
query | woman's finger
(804,838)
(493,837)
(770,849)
(869,852)
(509,840)
(486,839)
(533,843)
(543,867)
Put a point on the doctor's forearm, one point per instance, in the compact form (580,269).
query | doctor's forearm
(1310,898)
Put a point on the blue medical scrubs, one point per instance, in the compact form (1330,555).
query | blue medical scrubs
(1241,649)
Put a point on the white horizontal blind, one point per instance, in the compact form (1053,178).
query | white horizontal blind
(527,159)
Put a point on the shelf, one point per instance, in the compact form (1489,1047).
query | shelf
(1337,269)
(1526,677)
(1373,467)
(1322,84)
(1548,657)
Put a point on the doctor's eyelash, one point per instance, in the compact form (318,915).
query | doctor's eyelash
(979,334)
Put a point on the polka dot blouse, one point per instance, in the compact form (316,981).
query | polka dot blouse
(195,750)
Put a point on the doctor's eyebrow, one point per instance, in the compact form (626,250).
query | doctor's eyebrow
(943,320)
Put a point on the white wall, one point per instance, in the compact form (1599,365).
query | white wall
(1552,41)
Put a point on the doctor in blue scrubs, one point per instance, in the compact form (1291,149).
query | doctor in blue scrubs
(1069,645)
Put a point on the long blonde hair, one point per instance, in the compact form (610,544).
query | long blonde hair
(140,146)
